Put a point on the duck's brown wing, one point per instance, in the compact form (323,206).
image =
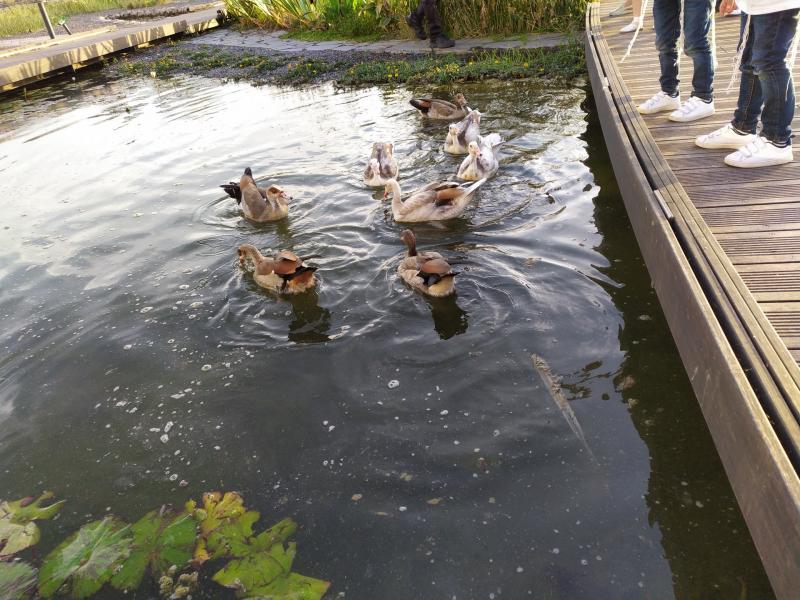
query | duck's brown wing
(436,265)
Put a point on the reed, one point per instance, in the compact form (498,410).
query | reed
(462,18)
(25,18)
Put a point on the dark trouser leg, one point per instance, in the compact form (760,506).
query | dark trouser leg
(434,20)
(696,28)
(666,17)
(773,35)
(748,107)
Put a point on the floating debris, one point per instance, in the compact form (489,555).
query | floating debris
(164,438)
(205,368)
(435,501)
(393,384)
(146,309)
(561,400)
(356,497)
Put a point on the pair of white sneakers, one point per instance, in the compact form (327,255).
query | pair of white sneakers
(751,150)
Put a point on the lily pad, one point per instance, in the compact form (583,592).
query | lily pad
(266,575)
(161,539)
(87,559)
(17,579)
(224,524)
(17,529)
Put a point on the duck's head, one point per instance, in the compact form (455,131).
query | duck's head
(410,240)
(452,129)
(460,100)
(475,116)
(388,149)
(474,150)
(389,189)
(247,177)
(274,193)
(244,251)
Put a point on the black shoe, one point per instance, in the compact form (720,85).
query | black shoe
(442,41)
(419,30)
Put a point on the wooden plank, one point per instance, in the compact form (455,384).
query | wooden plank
(736,418)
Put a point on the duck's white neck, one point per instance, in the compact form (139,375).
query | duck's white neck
(397,203)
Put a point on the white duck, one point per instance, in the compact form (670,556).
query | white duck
(258,204)
(427,272)
(460,134)
(437,201)
(383,155)
(283,274)
(482,160)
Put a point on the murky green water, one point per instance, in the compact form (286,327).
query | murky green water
(119,283)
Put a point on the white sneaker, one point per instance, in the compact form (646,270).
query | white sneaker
(659,103)
(632,26)
(692,110)
(623,8)
(725,137)
(760,153)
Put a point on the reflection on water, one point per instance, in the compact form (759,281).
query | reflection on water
(123,308)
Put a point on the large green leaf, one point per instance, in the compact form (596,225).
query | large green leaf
(17,529)
(16,580)
(87,559)
(161,539)
(266,575)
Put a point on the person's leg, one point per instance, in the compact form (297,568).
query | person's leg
(742,129)
(438,39)
(748,106)
(696,28)
(415,20)
(636,22)
(774,34)
(666,17)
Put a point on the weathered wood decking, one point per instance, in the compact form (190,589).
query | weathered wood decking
(723,249)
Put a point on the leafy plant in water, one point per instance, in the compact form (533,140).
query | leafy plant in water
(17,579)
(87,559)
(17,529)
(161,540)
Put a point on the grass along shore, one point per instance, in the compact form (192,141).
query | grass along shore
(369,19)
(25,18)
(353,69)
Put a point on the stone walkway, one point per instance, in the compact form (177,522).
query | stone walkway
(276,42)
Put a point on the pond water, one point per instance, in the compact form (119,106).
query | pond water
(123,308)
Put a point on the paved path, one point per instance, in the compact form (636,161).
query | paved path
(19,67)
(275,41)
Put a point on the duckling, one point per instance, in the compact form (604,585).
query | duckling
(260,204)
(482,160)
(442,109)
(459,135)
(435,202)
(383,154)
(283,274)
(426,272)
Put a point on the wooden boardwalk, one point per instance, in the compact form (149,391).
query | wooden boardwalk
(723,249)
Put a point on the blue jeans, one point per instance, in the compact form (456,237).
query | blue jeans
(766,81)
(696,27)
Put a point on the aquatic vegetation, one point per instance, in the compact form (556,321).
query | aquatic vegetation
(165,542)
(358,18)
(17,528)
(17,579)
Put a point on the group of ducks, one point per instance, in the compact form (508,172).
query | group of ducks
(427,272)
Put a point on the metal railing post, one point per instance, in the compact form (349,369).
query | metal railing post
(46,20)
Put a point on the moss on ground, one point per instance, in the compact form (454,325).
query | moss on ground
(348,69)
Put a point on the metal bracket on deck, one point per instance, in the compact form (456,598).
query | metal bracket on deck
(664,208)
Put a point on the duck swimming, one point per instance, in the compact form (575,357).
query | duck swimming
(426,272)
(283,274)
(434,108)
(482,160)
(459,135)
(383,155)
(258,204)
(435,202)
